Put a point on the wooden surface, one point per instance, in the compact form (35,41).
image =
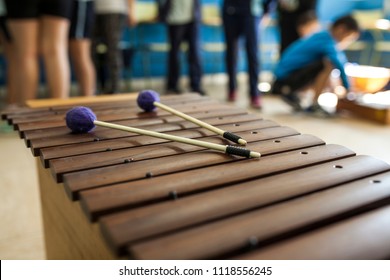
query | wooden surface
(67,234)
(368,238)
(111,194)
(377,113)
(44,103)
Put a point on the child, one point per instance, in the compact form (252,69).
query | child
(183,22)
(241,19)
(310,60)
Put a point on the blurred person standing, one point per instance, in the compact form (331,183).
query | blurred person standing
(289,14)
(80,45)
(183,21)
(40,27)
(111,19)
(242,19)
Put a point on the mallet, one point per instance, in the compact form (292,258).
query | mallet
(82,119)
(148,100)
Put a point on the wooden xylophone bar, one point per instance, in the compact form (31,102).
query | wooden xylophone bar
(275,221)
(116,115)
(122,195)
(368,238)
(101,159)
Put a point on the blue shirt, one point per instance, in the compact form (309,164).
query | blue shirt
(310,49)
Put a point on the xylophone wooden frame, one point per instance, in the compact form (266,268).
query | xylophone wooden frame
(86,230)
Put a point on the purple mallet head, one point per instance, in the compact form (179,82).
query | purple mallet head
(80,119)
(146,98)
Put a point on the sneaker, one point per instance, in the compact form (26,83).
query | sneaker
(288,96)
(199,91)
(280,89)
(174,90)
(317,110)
(275,89)
(232,96)
(292,100)
(256,102)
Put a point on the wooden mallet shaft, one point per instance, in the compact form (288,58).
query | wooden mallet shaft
(228,149)
(227,135)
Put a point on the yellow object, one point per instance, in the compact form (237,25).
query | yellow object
(368,79)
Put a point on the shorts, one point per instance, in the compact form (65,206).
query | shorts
(22,9)
(82,21)
(300,78)
(4,29)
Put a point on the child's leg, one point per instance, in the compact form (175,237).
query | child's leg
(176,34)
(24,33)
(80,51)
(232,32)
(251,44)
(194,57)
(322,79)
(112,30)
(54,47)
(80,35)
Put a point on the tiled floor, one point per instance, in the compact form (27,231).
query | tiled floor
(21,235)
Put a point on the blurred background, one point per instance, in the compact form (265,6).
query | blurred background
(145,46)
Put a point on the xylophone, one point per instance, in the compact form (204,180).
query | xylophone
(111,194)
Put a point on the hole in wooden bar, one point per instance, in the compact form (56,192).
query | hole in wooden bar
(236,124)
(376,181)
(304,153)
(173,195)
(337,166)
(108,149)
(220,118)
(253,241)
(254,132)
(277,141)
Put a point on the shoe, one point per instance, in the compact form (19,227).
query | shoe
(278,88)
(232,96)
(288,96)
(275,89)
(199,91)
(292,100)
(317,110)
(174,90)
(256,102)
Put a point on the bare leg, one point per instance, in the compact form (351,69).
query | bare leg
(80,51)
(25,41)
(54,47)
(322,79)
